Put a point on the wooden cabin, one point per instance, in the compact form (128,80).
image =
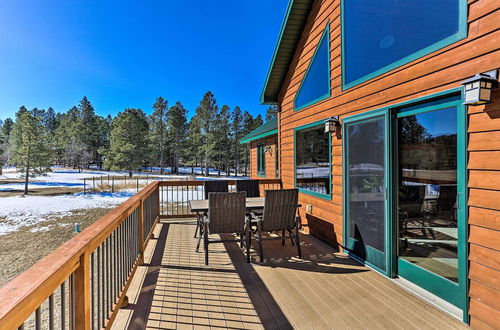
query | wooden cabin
(406,179)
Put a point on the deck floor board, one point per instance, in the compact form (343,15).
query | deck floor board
(324,290)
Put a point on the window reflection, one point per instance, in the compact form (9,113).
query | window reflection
(379,33)
(312,169)
(428,191)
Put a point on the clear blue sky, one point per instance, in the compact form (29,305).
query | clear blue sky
(126,53)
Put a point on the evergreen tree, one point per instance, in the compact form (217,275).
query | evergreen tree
(206,114)
(70,140)
(103,135)
(6,129)
(89,134)
(236,134)
(271,112)
(194,141)
(177,132)
(222,135)
(29,146)
(129,141)
(158,135)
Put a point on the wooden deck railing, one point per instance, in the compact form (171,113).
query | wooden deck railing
(83,283)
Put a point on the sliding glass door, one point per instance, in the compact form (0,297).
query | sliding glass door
(429,215)
(404,193)
(365,170)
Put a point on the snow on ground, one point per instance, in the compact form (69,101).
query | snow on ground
(31,210)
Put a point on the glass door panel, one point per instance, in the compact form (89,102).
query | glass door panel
(366,189)
(428,231)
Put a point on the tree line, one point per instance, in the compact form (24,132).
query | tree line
(132,140)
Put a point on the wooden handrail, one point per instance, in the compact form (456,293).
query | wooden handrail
(25,293)
(188,183)
(28,291)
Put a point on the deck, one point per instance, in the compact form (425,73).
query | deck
(175,290)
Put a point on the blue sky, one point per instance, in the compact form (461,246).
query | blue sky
(126,53)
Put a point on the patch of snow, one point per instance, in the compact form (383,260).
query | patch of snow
(38,229)
(31,210)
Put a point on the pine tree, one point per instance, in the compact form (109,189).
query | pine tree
(103,135)
(177,132)
(29,145)
(271,112)
(6,129)
(71,143)
(222,135)
(194,141)
(129,141)
(236,134)
(89,134)
(158,136)
(206,114)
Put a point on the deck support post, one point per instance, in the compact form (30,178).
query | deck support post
(82,293)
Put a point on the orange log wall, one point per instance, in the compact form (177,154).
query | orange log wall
(436,72)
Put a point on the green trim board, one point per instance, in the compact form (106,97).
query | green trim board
(325,34)
(461,34)
(267,129)
(260,136)
(289,36)
(429,281)
(312,193)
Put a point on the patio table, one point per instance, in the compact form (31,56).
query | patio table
(201,206)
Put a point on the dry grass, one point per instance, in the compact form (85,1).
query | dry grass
(55,191)
(20,250)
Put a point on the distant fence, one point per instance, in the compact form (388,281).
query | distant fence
(83,283)
(112,183)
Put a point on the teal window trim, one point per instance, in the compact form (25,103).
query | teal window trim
(395,111)
(326,33)
(461,34)
(305,191)
(261,160)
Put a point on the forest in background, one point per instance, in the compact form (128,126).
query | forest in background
(36,139)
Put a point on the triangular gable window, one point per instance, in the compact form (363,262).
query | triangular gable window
(316,83)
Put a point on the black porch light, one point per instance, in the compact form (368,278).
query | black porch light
(478,88)
(332,124)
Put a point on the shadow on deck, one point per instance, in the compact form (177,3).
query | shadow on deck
(325,289)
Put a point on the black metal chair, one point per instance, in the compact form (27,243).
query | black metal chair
(209,187)
(280,214)
(251,187)
(226,215)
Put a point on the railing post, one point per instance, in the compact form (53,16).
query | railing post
(140,232)
(82,293)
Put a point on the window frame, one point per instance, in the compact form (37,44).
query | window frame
(460,35)
(318,124)
(261,160)
(326,32)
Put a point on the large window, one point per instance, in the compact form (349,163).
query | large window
(312,160)
(379,35)
(315,85)
(261,160)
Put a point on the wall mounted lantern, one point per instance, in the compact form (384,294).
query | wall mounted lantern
(332,124)
(478,88)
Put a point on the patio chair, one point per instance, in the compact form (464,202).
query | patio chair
(280,214)
(251,187)
(215,186)
(226,215)
(210,186)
